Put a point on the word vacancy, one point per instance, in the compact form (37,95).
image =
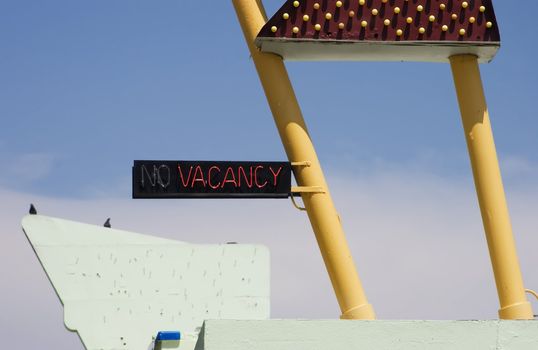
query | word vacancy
(211,179)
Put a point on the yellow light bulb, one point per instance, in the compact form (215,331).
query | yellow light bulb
(375,12)
(316,6)
(397,10)
(341,25)
(444,28)
(317,27)
(306,18)
(442,6)
(421,30)
(431,18)
(295,30)
(273,29)
(409,20)
(482,8)
(472,19)
(285,16)
(351,13)
(328,16)
(420,8)
(462,31)
(296,4)
(465,4)
(364,24)
(339,4)
(386,22)
(454,16)
(399,32)
(362,2)
(489,24)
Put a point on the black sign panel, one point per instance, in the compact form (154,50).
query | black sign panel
(207,179)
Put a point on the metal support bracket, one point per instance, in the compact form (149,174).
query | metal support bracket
(531,292)
(297,190)
(305,163)
(296,205)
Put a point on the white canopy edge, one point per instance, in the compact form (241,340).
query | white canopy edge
(338,50)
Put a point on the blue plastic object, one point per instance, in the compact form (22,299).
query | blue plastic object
(168,335)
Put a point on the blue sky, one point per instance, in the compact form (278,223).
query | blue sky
(89,86)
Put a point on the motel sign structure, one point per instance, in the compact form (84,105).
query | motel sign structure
(122,290)
(458,32)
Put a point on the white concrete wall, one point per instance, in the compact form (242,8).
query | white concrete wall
(120,288)
(368,335)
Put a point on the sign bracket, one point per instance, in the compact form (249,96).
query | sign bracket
(297,190)
(301,164)
(295,204)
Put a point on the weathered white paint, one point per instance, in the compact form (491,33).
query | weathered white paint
(119,288)
(368,335)
(329,50)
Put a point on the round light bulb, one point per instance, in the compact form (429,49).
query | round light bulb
(296,4)
(364,24)
(328,16)
(397,10)
(339,4)
(472,19)
(465,4)
(317,27)
(462,31)
(375,12)
(442,6)
(386,22)
(409,20)
(431,18)
(295,30)
(489,24)
(316,6)
(444,28)
(482,8)
(399,32)
(306,18)
(421,30)
(351,13)
(286,16)
(273,29)
(341,25)
(454,16)
(420,8)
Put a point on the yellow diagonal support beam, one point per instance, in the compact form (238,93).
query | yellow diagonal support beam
(299,148)
(489,188)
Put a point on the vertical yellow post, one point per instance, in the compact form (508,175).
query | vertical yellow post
(299,148)
(489,187)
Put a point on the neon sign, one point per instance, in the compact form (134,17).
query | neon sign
(208,179)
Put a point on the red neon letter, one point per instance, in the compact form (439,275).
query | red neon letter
(185,184)
(197,171)
(209,177)
(275,175)
(241,169)
(256,177)
(225,181)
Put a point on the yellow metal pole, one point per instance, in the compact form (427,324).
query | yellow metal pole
(489,187)
(299,148)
